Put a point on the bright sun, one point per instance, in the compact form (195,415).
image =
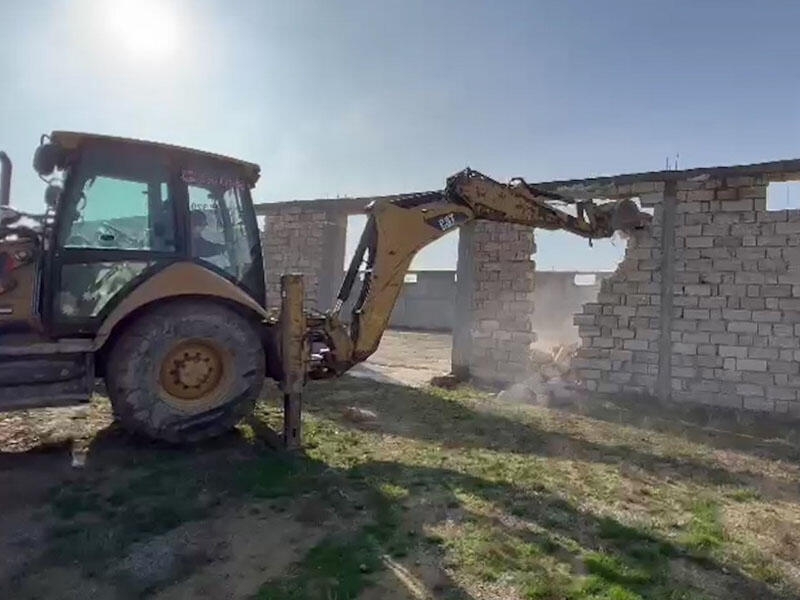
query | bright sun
(143,29)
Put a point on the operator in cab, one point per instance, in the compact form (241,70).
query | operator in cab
(201,247)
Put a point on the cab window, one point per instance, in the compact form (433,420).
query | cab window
(120,213)
(221,232)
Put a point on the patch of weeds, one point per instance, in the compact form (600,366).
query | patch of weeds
(704,532)
(596,588)
(392,491)
(612,569)
(761,567)
(744,495)
(387,527)
(635,543)
(335,568)
(489,554)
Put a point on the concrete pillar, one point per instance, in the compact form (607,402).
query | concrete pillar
(465,289)
(334,239)
(493,334)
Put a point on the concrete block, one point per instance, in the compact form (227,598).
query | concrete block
(788,227)
(728,339)
(764,353)
(700,337)
(716,326)
(767,316)
(781,393)
(684,325)
(733,351)
(759,404)
(684,348)
(778,341)
(742,327)
(789,303)
(750,364)
(745,204)
(749,277)
(737,315)
(696,313)
(753,303)
(635,345)
(779,366)
(700,242)
(608,388)
(750,389)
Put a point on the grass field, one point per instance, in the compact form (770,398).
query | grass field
(444,495)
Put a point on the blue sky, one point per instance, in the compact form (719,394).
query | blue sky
(377,97)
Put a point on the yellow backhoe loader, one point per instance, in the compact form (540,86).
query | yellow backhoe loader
(146,270)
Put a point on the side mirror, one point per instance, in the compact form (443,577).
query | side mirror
(48,158)
(52,195)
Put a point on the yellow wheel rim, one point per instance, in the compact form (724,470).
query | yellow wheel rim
(193,372)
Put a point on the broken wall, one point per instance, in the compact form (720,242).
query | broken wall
(706,306)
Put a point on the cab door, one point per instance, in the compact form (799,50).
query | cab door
(223,231)
(117,225)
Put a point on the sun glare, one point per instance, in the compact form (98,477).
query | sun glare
(142,29)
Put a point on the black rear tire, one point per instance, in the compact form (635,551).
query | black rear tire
(147,376)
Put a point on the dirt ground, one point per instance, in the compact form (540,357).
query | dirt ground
(408,358)
(426,494)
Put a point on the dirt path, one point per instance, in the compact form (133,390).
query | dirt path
(408,358)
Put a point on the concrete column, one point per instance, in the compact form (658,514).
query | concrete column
(334,238)
(465,289)
(669,206)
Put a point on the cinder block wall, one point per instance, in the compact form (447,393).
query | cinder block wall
(310,241)
(706,307)
(497,284)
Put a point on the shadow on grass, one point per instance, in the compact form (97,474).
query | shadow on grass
(133,490)
(766,435)
(422,415)
(546,542)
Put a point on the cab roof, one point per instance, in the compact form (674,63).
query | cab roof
(73,140)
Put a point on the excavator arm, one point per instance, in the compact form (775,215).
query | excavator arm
(397,230)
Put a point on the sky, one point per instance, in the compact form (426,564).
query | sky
(369,97)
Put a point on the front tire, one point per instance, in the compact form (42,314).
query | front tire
(185,371)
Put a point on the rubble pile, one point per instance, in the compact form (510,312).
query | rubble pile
(551,375)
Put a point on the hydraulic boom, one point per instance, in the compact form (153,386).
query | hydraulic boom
(397,230)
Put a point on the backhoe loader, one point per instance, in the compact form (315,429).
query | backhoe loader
(146,270)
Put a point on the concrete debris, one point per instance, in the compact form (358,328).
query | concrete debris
(551,378)
(359,415)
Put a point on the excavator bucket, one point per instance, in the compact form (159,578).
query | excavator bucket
(629,218)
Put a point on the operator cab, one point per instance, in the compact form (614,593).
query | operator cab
(122,211)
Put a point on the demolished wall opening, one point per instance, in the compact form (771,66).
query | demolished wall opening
(569,274)
(783,195)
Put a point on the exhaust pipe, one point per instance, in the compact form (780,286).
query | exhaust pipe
(5,179)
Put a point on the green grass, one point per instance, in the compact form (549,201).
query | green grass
(533,503)
(335,568)
(705,531)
